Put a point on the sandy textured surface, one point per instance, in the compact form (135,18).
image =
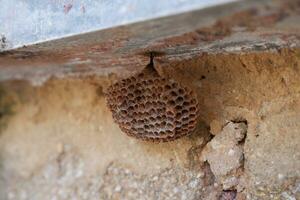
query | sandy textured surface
(58,139)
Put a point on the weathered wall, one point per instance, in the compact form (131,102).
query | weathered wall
(58,140)
(61,140)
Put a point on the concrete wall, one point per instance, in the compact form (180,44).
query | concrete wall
(58,139)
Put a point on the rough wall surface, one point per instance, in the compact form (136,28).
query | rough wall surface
(58,140)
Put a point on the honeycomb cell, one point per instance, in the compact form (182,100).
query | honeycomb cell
(186,103)
(168,87)
(130,95)
(170,119)
(131,87)
(184,112)
(180,91)
(179,99)
(179,108)
(193,109)
(150,82)
(174,85)
(171,103)
(174,94)
(149,107)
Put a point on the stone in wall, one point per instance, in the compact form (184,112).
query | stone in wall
(225,155)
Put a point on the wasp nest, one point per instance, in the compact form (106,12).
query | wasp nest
(149,107)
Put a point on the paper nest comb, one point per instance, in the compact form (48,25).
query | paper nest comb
(149,107)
